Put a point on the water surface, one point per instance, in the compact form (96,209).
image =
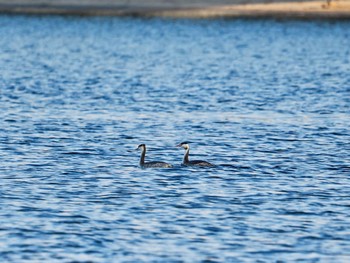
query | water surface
(266,101)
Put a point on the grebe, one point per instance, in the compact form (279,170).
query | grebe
(187,162)
(150,164)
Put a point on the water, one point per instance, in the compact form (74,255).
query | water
(266,101)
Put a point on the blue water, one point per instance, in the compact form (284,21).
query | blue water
(268,102)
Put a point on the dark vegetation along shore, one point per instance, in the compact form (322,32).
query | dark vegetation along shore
(319,9)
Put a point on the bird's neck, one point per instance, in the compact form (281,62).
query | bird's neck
(143,154)
(187,153)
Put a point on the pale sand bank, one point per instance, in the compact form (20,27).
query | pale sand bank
(338,9)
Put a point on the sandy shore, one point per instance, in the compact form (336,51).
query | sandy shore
(337,9)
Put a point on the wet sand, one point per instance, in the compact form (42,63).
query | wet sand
(337,9)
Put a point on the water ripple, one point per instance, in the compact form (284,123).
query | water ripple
(266,101)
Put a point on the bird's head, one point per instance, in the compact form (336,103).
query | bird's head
(141,147)
(184,145)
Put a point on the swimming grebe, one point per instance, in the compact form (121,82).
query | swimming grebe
(187,162)
(150,164)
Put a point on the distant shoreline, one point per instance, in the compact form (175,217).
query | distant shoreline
(338,9)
